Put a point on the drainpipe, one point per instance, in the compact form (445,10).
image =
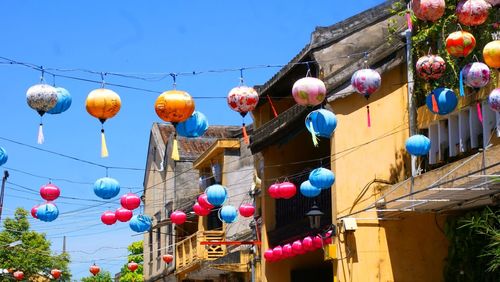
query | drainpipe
(411,102)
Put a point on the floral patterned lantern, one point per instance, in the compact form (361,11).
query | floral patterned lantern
(476,75)
(321,123)
(228,214)
(308,190)
(41,98)
(178,217)
(442,101)
(491,54)
(106,188)
(309,91)
(494,100)
(194,126)
(216,194)
(49,192)
(493,2)
(47,212)
(199,210)
(246,210)
(460,43)
(322,178)
(243,99)
(428,10)
(472,12)
(108,218)
(63,101)
(366,82)
(418,145)
(130,201)
(3,156)
(123,214)
(94,269)
(430,67)
(140,223)
(103,104)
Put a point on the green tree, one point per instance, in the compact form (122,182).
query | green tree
(103,276)
(135,254)
(27,250)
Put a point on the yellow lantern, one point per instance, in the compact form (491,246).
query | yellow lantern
(491,54)
(103,104)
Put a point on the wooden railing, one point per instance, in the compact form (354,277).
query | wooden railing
(190,250)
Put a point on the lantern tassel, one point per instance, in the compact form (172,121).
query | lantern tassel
(272,106)
(408,21)
(461,83)
(175,150)
(41,139)
(479,112)
(104,147)
(313,134)
(368,116)
(435,107)
(245,135)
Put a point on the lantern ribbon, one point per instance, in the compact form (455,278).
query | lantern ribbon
(41,139)
(272,106)
(313,134)
(175,149)
(435,107)
(368,116)
(461,83)
(408,20)
(479,112)
(104,148)
(245,135)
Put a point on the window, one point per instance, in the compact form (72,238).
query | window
(150,245)
(158,243)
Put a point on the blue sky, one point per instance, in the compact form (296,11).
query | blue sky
(129,37)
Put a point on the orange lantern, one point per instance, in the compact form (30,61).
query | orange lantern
(103,104)
(460,43)
(94,269)
(491,54)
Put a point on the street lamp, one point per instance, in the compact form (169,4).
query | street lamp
(314,215)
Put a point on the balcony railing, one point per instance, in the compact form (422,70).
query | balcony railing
(190,250)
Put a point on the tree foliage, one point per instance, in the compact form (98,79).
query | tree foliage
(136,255)
(27,250)
(103,276)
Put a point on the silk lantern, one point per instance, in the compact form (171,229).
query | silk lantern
(130,201)
(19,275)
(216,194)
(460,43)
(472,12)
(327,239)
(199,210)
(246,210)
(317,242)
(140,223)
(297,247)
(56,273)
(3,156)
(277,253)
(273,191)
(178,217)
(307,243)
(441,101)
(475,75)
(366,82)
(41,98)
(309,91)
(493,2)
(108,218)
(132,266)
(269,255)
(430,67)
(106,188)
(428,10)
(286,190)
(228,214)
(63,101)
(243,99)
(33,211)
(94,269)
(322,178)
(491,54)
(418,145)
(194,126)
(308,190)
(103,104)
(168,258)
(49,192)
(174,106)
(123,214)
(494,100)
(287,251)
(203,201)
(321,123)
(47,212)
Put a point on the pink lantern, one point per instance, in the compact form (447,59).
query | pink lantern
(317,242)
(178,217)
(287,251)
(307,243)
(33,211)
(278,253)
(328,238)
(269,255)
(297,248)
(199,210)
(309,91)
(108,218)
(123,215)
(49,192)
(243,99)
(130,201)
(287,190)
(247,210)
(273,191)
(430,67)
(366,82)
(472,12)
(428,10)
(476,75)
(203,201)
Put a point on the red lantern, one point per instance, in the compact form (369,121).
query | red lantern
(297,248)
(199,210)
(328,237)
(130,201)
(168,258)
(278,253)
(19,275)
(428,10)
(33,211)
(307,243)
(202,200)
(132,266)
(108,218)
(472,12)
(178,217)
(287,190)
(287,251)
(56,273)
(273,191)
(247,210)
(460,43)
(94,269)
(269,255)
(49,192)
(123,215)
(317,242)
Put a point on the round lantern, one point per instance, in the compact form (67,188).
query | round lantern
(309,91)
(491,54)
(130,201)
(246,210)
(321,123)
(203,201)
(430,67)
(178,217)
(287,251)
(123,214)
(108,218)
(103,104)
(228,214)
(41,98)
(442,101)
(194,126)
(167,258)
(317,242)
(460,43)
(94,269)
(174,106)
(307,243)
(428,10)
(494,100)
(243,99)
(63,101)
(277,253)
(472,12)
(322,178)
(216,194)
(297,248)
(19,275)
(33,211)
(269,255)
(47,212)
(132,266)
(3,156)
(308,190)
(106,188)
(418,145)
(140,223)
(366,82)
(49,192)
(476,75)
(273,191)
(327,239)
(286,190)
(199,210)
(56,273)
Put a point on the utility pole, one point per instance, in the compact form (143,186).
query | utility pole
(4,179)
(64,245)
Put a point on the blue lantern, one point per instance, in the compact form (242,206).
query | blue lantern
(140,223)
(63,101)
(3,156)
(194,126)
(418,145)
(308,190)
(106,188)
(321,123)
(228,214)
(322,178)
(47,212)
(441,101)
(216,194)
